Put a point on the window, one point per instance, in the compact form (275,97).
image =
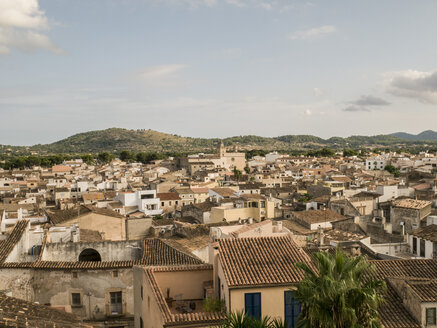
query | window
(116,304)
(430,316)
(292,309)
(252,305)
(162,204)
(76,299)
(141,292)
(141,323)
(414,245)
(74,274)
(115,274)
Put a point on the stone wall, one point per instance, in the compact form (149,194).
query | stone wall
(108,250)
(54,287)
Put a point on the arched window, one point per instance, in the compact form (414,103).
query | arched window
(90,254)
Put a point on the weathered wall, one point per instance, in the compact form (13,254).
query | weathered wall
(55,287)
(111,228)
(138,228)
(108,250)
(409,216)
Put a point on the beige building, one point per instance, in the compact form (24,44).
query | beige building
(256,207)
(170,201)
(223,159)
(91,280)
(109,224)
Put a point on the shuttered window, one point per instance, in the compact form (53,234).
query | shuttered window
(430,316)
(252,304)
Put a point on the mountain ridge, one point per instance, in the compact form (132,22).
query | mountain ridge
(147,140)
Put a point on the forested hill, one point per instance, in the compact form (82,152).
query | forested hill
(116,140)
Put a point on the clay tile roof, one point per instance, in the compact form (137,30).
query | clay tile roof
(163,196)
(261,261)
(6,246)
(93,196)
(341,179)
(157,252)
(428,233)
(392,312)
(411,203)
(407,268)
(60,216)
(317,216)
(425,290)
(422,186)
(15,312)
(205,206)
(61,168)
(224,192)
(199,190)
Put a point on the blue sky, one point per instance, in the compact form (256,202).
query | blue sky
(216,68)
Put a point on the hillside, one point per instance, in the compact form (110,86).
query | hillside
(116,140)
(423,136)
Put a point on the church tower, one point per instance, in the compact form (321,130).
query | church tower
(222,150)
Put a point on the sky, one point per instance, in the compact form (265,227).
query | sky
(216,68)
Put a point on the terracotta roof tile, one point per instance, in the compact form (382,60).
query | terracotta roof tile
(6,246)
(428,233)
(157,252)
(19,313)
(261,261)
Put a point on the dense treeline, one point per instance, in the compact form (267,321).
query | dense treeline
(21,162)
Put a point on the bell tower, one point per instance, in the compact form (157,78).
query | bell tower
(222,149)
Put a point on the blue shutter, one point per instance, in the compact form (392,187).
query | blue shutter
(252,304)
(292,309)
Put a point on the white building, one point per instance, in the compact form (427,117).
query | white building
(423,241)
(375,163)
(145,200)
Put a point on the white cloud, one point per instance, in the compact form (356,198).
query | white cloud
(421,86)
(313,32)
(20,22)
(163,75)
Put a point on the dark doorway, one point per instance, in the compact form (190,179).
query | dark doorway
(90,254)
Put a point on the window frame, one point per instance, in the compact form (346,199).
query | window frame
(76,292)
(253,310)
(434,316)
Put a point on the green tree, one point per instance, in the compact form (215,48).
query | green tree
(88,158)
(126,156)
(105,157)
(349,152)
(240,319)
(237,174)
(392,170)
(247,169)
(338,292)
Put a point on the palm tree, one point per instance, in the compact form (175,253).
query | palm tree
(240,319)
(339,292)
